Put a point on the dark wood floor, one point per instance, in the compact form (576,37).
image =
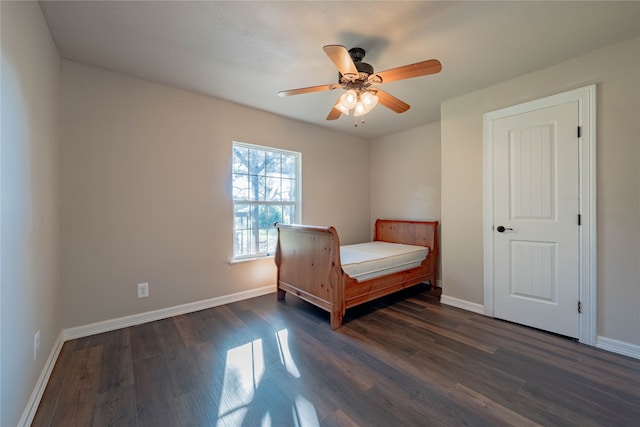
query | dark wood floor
(402,360)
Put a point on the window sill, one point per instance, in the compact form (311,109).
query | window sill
(243,260)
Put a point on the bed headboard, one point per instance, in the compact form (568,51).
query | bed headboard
(421,233)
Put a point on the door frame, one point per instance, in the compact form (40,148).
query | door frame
(586,98)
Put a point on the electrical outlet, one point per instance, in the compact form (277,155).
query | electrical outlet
(143,290)
(36,345)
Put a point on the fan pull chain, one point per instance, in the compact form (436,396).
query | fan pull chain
(355,120)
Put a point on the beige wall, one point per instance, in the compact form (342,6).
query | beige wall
(30,193)
(146,192)
(405,174)
(616,71)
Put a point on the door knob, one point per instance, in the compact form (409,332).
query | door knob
(502,229)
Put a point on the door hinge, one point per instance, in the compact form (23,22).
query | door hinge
(579,307)
(579,219)
(579,131)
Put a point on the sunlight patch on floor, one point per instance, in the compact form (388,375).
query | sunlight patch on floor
(286,359)
(244,372)
(304,413)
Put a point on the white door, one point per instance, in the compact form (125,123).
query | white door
(536,235)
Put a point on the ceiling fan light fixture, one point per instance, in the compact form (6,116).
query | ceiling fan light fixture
(344,110)
(368,100)
(349,99)
(359,109)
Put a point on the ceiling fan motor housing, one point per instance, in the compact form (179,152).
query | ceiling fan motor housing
(357,54)
(363,67)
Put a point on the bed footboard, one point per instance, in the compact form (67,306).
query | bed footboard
(308,261)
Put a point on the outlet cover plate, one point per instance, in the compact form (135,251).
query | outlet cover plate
(143,290)
(36,345)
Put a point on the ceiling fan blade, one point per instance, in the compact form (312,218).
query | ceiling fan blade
(307,90)
(341,59)
(334,114)
(391,102)
(431,66)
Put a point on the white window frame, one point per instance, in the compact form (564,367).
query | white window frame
(242,232)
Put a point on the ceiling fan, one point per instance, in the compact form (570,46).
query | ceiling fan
(359,81)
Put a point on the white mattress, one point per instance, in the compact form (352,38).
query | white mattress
(365,261)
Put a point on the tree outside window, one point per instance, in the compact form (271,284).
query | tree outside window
(266,189)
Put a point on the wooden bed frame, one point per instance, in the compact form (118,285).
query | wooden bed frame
(308,261)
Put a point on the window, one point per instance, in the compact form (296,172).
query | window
(266,189)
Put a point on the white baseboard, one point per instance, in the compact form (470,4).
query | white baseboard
(620,347)
(163,313)
(34,401)
(463,304)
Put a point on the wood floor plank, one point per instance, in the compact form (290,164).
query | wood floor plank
(144,342)
(342,419)
(453,334)
(182,374)
(573,359)
(116,407)
(77,403)
(502,415)
(197,408)
(400,360)
(54,388)
(573,393)
(117,361)
(154,396)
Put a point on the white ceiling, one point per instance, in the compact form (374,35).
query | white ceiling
(246,52)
